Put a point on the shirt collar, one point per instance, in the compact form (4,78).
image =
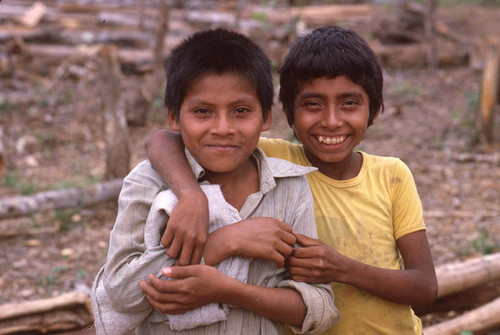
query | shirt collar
(269,169)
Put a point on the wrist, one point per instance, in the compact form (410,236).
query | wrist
(218,247)
(194,193)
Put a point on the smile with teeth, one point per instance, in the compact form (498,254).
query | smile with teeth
(331,140)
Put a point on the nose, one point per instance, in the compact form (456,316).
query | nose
(222,125)
(331,118)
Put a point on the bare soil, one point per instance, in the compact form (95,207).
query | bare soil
(52,128)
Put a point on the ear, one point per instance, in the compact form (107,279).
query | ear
(375,117)
(172,121)
(266,125)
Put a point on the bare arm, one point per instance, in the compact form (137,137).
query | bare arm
(416,285)
(265,238)
(198,285)
(187,228)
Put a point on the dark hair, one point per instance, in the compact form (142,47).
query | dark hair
(331,52)
(217,51)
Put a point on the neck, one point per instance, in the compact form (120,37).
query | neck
(346,169)
(237,185)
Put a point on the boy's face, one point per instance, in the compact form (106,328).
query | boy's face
(330,119)
(220,121)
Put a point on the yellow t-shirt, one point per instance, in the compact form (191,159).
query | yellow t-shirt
(362,218)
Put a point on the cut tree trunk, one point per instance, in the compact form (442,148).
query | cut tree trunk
(490,88)
(66,312)
(113,113)
(71,197)
(478,321)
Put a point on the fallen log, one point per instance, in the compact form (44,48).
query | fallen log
(62,313)
(477,321)
(414,55)
(66,198)
(133,60)
(54,35)
(457,277)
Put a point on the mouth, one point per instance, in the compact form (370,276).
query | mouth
(331,140)
(222,146)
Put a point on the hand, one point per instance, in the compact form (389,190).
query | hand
(266,238)
(195,286)
(315,262)
(187,228)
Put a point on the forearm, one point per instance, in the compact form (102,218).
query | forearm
(218,247)
(166,152)
(409,287)
(277,304)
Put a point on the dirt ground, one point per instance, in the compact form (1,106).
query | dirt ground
(52,126)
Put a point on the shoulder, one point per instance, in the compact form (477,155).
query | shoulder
(385,164)
(144,173)
(280,148)
(281,168)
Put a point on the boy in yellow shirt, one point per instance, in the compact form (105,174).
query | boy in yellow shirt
(372,244)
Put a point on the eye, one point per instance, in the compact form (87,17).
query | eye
(350,104)
(241,110)
(201,111)
(311,105)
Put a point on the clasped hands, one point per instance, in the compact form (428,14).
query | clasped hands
(197,285)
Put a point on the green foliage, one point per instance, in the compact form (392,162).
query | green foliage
(27,188)
(466,332)
(485,244)
(77,169)
(7,105)
(51,278)
(11,179)
(64,217)
(47,139)
(260,17)
(82,274)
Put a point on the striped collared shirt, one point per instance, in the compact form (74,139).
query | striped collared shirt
(284,193)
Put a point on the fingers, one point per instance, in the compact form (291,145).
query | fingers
(181,272)
(303,275)
(187,247)
(168,303)
(167,237)
(186,252)
(197,254)
(306,241)
(175,246)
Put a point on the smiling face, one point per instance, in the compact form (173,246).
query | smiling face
(220,122)
(330,119)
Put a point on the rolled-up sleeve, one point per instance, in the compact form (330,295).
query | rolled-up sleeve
(321,311)
(129,261)
(318,298)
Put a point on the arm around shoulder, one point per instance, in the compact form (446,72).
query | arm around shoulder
(187,232)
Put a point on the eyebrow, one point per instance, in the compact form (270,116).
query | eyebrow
(353,94)
(311,95)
